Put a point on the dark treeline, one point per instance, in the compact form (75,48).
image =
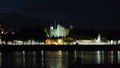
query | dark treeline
(92,34)
(37,31)
(20,27)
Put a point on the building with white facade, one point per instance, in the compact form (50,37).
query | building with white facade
(58,31)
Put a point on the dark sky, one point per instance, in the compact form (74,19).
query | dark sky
(81,13)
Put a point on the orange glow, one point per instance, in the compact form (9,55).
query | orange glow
(60,41)
(3,31)
(59,53)
(54,42)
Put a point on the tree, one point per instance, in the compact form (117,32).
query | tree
(8,37)
(39,33)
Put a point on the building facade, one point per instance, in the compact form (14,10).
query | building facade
(58,31)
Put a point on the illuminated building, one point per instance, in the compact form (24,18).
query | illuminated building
(58,35)
(98,40)
(54,42)
(58,41)
(58,31)
(2,31)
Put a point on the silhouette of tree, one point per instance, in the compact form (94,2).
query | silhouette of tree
(83,34)
(39,33)
(36,33)
(8,37)
(114,35)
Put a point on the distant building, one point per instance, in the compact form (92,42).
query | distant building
(58,31)
(58,35)
(57,41)
(2,30)
(98,40)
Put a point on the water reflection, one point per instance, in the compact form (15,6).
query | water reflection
(55,59)
(118,56)
(0,59)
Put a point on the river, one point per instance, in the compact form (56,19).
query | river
(56,59)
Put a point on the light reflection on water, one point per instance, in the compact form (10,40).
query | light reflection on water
(0,59)
(56,59)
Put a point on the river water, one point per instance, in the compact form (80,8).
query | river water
(56,59)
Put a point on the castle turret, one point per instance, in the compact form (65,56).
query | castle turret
(59,31)
(71,27)
(51,27)
(98,38)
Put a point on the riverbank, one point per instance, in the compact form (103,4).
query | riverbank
(84,66)
(60,47)
(101,66)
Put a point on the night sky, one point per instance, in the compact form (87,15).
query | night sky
(103,14)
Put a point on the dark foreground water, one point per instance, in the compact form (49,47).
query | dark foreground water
(55,59)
